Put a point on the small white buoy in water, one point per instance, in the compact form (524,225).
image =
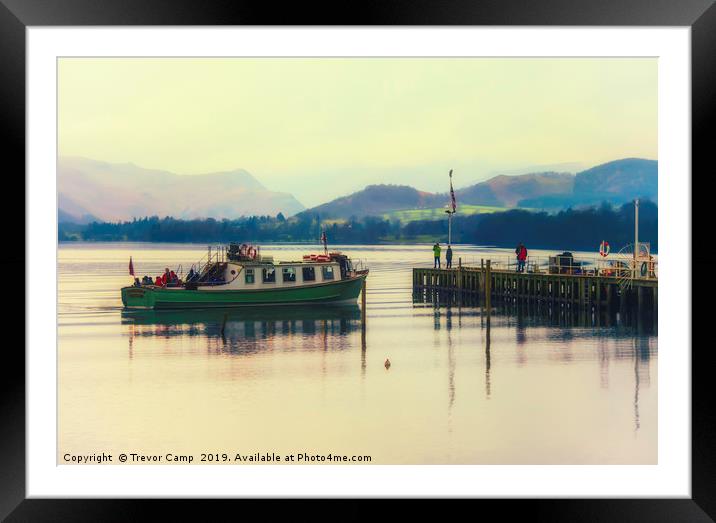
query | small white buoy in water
(387,363)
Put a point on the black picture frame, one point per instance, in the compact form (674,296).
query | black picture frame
(16,15)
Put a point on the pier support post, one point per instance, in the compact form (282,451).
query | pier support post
(640,299)
(488,288)
(362,302)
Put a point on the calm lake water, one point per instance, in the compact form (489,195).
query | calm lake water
(530,390)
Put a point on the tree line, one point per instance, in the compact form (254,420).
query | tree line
(578,229)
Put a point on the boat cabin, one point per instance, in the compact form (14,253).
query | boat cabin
(244,268)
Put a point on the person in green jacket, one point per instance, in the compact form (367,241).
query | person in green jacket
(436,253)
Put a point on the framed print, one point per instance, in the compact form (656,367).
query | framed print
(441,252)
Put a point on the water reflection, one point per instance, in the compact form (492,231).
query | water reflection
(534,325)
(249,330)
(528,383)
(530,313)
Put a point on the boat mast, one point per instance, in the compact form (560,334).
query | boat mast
(324,240)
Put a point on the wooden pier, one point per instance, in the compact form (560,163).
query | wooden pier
(590,291)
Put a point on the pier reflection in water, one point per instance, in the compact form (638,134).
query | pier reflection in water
(521,385)
(526,316)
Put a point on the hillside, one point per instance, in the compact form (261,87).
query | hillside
(378,200)
(508,191)
(89,189)
(615,182)
(489,196)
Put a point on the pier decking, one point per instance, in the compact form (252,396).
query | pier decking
(594,291)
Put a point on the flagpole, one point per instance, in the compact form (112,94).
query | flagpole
(452,207)
(449,228)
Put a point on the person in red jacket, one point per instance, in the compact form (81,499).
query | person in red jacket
(521,252)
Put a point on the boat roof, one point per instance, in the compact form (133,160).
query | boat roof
(249,263)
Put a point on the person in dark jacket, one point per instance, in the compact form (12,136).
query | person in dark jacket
(448,257)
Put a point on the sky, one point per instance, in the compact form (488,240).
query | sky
(321,128)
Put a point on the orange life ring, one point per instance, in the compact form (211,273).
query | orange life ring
(604,249)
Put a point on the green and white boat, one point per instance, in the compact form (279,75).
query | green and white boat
(238,275)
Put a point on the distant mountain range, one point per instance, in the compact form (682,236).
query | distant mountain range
(615,182)
(90,190)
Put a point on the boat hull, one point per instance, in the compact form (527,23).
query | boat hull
(179,298)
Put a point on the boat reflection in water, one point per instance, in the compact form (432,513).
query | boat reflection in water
(250,329)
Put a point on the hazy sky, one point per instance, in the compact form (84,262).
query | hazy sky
(322,128)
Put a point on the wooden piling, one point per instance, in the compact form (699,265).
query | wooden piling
(488,288)
(362,301)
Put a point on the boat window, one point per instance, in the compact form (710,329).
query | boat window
(249,278)
(269,275)
(289,274)
(309,274)
(328,272)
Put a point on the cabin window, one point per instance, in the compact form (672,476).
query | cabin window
(328,272)
(289,274)
(249,277)
(269,275)
(309,274)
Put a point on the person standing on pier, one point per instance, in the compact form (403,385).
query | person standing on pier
(521,252)
(448,257)
(436,253)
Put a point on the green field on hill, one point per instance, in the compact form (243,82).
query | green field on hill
(411,215)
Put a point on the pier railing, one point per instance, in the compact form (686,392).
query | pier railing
(619,267)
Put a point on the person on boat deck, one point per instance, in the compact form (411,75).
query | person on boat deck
(136,282)
(158,281)
(436,253)
(173,279)
(190,275)
(448,257)
(521,252)
(166,277)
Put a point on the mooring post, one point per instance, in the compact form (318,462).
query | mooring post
(640,301)
(488,289)
(459,276)
(362,302)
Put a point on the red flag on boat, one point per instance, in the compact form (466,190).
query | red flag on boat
(131,266)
